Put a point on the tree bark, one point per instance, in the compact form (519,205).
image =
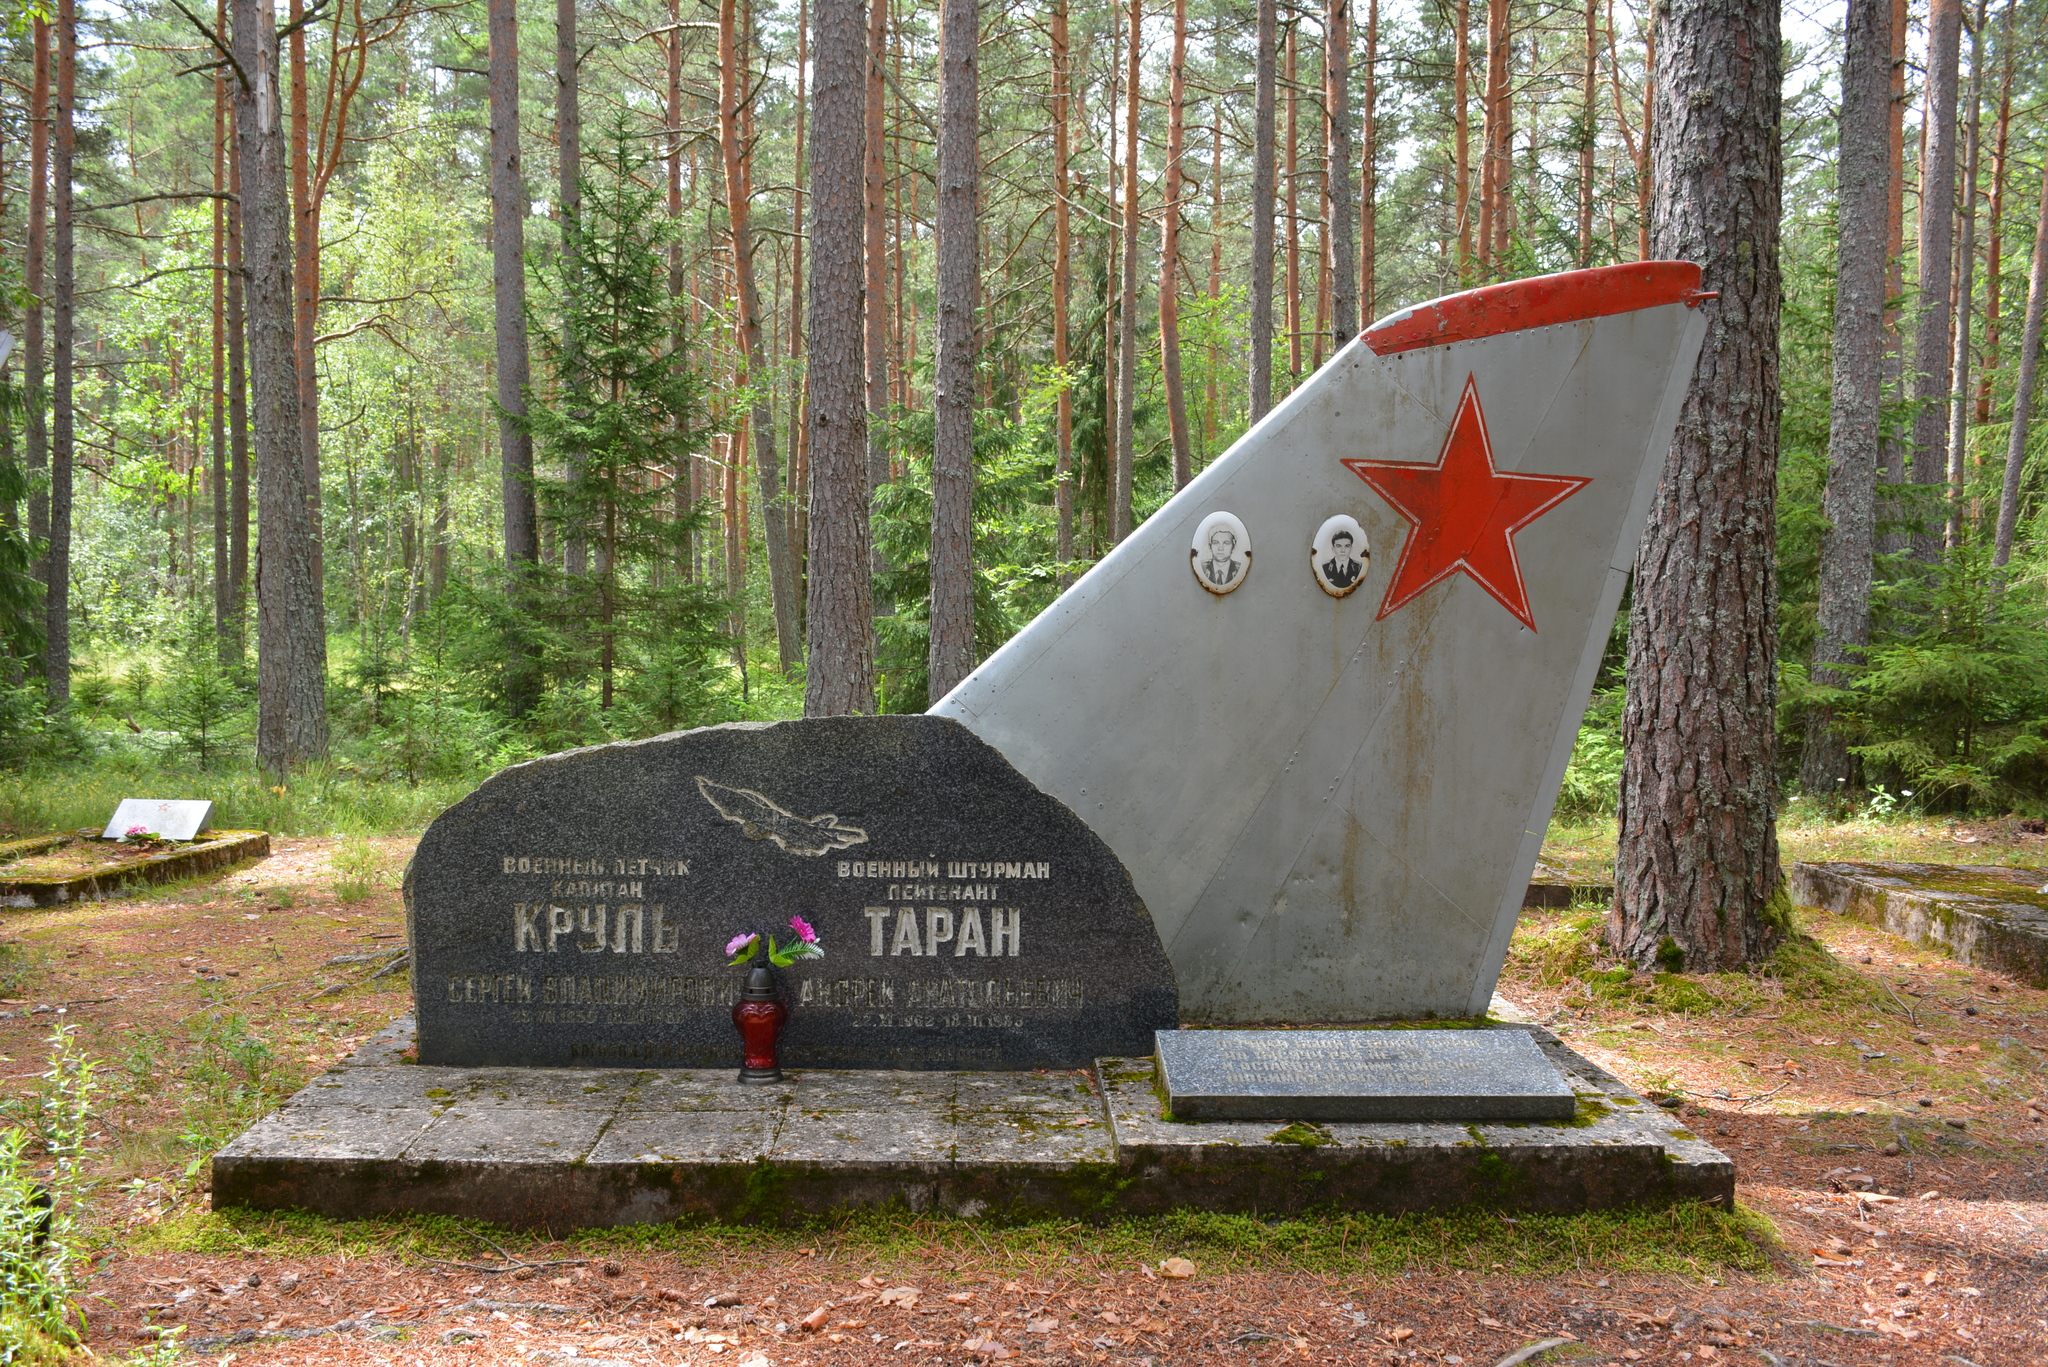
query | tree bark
(568,204)
(1589,93)
(1891,441)
(37,437)
(1697,879)
(1169,252)
(306,283)
(875,186)
(840,612)
(1127,305)
(57,579)
(1493,168)
(1263,99)
(1994,248)
(1966,263)
(291,703)
(1849,505)
(1369,182)
(958,227)
(1062,284)
(682,477)
(1343,240)
(223,587)
(1461,133)
(508,286)
(238,397)
(2023,389)
(1292,154)
(739,191)
(1931,358)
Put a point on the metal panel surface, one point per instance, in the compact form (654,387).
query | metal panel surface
(1332,806)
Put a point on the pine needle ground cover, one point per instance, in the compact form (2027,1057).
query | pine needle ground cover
(206,1003)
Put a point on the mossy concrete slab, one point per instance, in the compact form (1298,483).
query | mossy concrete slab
(1619,1151)
(1987,915)
(562,1149)
(216,851)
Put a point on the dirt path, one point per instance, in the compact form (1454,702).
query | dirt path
(210,1001)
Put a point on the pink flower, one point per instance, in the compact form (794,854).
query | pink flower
(738,943)
(803,929)
(137,830)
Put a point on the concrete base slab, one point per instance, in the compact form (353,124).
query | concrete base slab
(571,1148)
(1983,914)
(216,851)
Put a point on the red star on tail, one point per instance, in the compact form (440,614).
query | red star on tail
(1463,514)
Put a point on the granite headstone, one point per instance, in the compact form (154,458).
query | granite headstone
(575,910)
(1449,1074)
(171,818)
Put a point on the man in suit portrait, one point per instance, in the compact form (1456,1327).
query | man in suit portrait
(1222,567)
(1342,569)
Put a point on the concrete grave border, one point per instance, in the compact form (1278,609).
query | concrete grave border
(1987,915)
(560,1149)
(217,850)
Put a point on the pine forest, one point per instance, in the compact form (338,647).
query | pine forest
(399,388)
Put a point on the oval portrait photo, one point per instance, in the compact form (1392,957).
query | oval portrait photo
(1222,554)
(1339,556)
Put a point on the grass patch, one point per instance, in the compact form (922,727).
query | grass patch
(320,800)
(1687,1240)
(1554,951)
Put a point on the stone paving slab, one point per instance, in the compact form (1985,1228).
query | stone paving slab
(561,1149)
(1988,915)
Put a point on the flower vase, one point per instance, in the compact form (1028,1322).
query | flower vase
(759,1015)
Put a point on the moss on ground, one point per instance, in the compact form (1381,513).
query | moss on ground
(1687,1239)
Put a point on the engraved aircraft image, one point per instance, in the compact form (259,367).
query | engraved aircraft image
(763,820)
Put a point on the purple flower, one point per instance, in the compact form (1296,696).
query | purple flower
(137,830)
(803,929)
(738,943)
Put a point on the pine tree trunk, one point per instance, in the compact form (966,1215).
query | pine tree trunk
(1891,440)
(1062,285)
(1263,99)
(1644,182)
(34,398)
(1994,247)
(1127,305)
(238,397)
(1849,506)
(508,287)
(1343,252)
(1493,167)
(57,577)
(799,449)
(1589,91)
(1931,358)
(1169,253)
(747,297)
(1369,185)
(2023,389)
(840,613)
(1292,153)
(683,476)
(306,284)
(1461,133)
(875,188)
(1697,878)
(223,588)
(568,204)
(959,254)
(1966,263)
(290,681)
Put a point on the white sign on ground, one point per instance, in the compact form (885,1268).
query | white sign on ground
(171,818)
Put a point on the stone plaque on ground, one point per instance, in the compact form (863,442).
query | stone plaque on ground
(171,818)
(1448,1074)
(575,910)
